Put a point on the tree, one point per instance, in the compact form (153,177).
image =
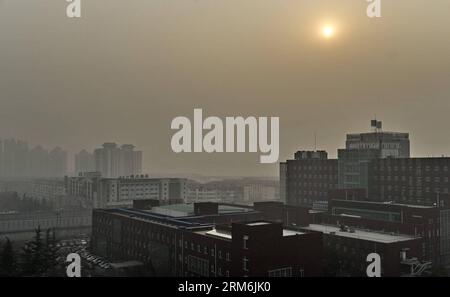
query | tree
(34,260)
(39,256)
(51,252)
(7,260)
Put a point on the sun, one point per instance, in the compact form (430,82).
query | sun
(328,31)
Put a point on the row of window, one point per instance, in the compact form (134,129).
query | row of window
(411,179)
(205,250)
(412,168)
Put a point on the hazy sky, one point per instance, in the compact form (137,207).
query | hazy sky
(127,68)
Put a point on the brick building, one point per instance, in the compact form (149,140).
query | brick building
(207,240)
(410,180)
(431,223)
(309,177)
(346,250)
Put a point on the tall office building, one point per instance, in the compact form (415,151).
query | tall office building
(84,162)
(113,161)
(362,148)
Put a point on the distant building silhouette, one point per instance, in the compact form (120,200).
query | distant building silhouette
(113,161)
(17,160)
(84,162)
(39,161)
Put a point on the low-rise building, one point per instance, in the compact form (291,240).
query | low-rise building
(205,239)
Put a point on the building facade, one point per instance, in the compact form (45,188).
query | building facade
(186,246)
(17,160)
(309,177)
(412,180)
(94,191)
(346,251)
(361,149)
(114,161)
(84,162)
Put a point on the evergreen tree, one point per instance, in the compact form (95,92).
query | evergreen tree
(7,260)
(34,258)
(51,252)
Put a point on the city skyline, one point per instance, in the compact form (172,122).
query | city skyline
(19,159)
(84,82)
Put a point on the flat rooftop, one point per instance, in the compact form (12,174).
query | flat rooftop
(387,203)
(185,210)
(176,215)
(360,234)
(126,264)
(223,234)
(258,224)
(149,216)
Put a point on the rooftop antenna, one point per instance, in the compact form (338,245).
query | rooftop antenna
(376,125)
(315,141)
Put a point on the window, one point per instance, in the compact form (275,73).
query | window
(283,272)
(245,242)
(245,264)
(197,266)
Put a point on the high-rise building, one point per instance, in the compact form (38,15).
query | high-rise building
(84,162)
(130,160)
(113,161)
(15,158)
(39,162)
(57,162)
(1,159)
(107,160)
(362,148)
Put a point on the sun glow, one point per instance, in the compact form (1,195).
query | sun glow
(328,31)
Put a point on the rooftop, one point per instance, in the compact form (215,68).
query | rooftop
(176,215)
(360,234)
(387,203)
(258,224)
(126,264)
(184,210)
(223,234)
